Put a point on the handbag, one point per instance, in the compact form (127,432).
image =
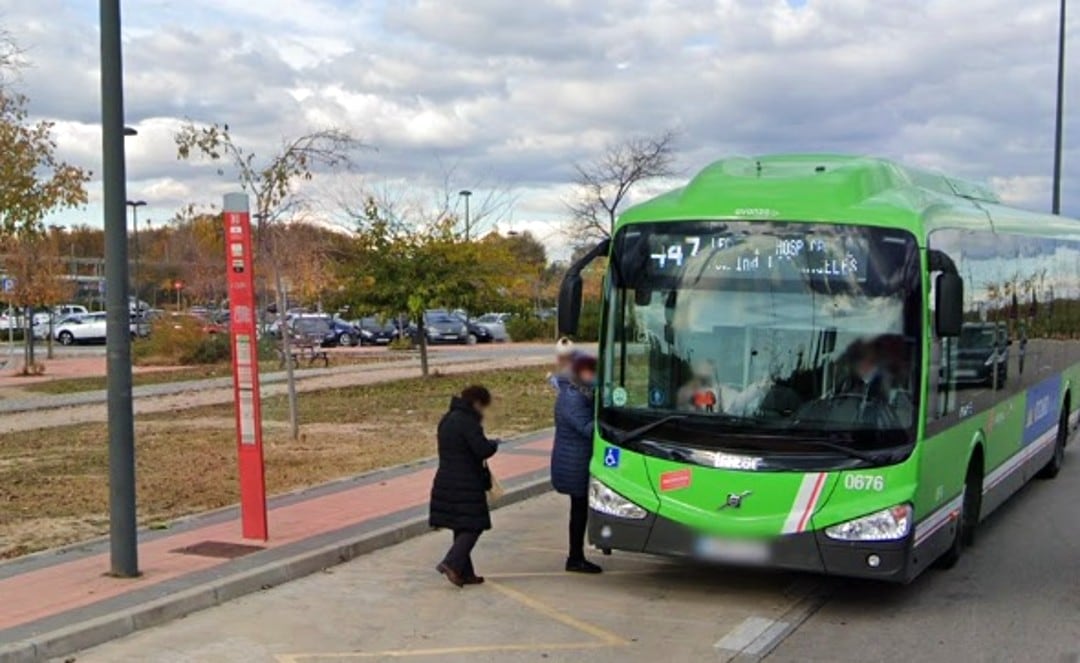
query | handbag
(495,490)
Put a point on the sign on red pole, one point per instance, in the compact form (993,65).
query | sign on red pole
(245,360)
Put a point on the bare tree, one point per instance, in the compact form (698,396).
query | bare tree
(272,183)
(405,204)
(602,185)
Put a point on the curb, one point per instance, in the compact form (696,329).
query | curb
(92,632)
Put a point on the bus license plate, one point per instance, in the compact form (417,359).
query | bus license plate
(733,551)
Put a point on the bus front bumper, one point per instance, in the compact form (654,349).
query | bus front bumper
(806,551)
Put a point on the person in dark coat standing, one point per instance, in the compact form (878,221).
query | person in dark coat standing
(571,453)
(459,494)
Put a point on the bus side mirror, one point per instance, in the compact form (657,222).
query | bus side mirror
(570,291)
(569,305)
(949,305)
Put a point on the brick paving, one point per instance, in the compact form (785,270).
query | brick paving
(58,582)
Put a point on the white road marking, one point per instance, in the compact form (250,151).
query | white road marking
(767,640)
(747,633)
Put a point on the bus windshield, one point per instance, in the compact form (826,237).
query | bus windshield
(764,333)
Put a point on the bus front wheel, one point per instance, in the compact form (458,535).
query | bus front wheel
(970,504)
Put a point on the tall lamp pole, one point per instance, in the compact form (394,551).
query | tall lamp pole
(466,194)
(135,205)
(1058,129)
(123,547)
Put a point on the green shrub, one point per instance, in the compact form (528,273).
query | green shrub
(180,341)
(211,349)
(530,328)
(401,343)
(268,348)
(589,325)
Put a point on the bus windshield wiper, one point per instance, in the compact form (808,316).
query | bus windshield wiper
(624,437)
(854,453)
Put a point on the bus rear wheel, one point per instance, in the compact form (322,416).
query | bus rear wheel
(1053,466)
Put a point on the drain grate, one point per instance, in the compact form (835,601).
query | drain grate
(221,549)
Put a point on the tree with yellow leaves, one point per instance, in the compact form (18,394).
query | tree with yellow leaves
(33,260)
(33,184)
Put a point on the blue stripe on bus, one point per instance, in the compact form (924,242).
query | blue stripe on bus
(1041,409)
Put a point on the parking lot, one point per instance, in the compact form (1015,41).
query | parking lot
(392,605)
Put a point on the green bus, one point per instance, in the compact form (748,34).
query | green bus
(829,363)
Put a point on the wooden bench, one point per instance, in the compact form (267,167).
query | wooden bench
(303,347)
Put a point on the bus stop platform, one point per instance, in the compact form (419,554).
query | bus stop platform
(61,601)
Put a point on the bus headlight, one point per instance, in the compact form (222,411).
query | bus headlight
(606,500)
(885,525)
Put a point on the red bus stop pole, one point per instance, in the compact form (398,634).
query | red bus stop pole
(245,361)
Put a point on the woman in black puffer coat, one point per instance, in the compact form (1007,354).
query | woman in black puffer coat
(459,494)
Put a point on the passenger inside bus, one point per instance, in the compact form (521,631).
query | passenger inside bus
(701,393)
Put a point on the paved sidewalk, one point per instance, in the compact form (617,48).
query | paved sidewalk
(59,602)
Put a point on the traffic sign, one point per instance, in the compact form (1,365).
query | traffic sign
(8,284)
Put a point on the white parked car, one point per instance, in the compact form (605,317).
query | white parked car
(74,329)
(14,320)
(64,310)
(42,319)
(496,324)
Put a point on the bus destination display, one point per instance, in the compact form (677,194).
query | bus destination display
(765,256)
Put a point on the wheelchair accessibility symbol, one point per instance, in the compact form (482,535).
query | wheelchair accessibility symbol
(611,457)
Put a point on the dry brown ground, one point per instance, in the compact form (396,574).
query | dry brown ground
(53,482)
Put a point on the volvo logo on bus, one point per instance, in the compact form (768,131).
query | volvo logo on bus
(734,500)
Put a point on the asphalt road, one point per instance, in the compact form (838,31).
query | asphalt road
(1014,597)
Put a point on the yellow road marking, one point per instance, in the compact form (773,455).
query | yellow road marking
(442,651)
(605,636)
(564,574)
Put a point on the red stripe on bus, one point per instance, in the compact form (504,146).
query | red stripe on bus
(810,504)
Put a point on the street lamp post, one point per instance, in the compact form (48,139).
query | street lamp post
(135,205)
(123,544)
(466,194)
(1058,128)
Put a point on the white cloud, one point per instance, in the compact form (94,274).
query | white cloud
(515,92)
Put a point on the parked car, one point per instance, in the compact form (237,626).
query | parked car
(140,324)
(495,323)
(477,333)
(208,323)
(348,334)
(314,327)
(74,329)
(136,305)
(64,310)
(983,354)
(442,327)
(374,332)
(10,318)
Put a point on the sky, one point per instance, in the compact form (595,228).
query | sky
(507,96)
